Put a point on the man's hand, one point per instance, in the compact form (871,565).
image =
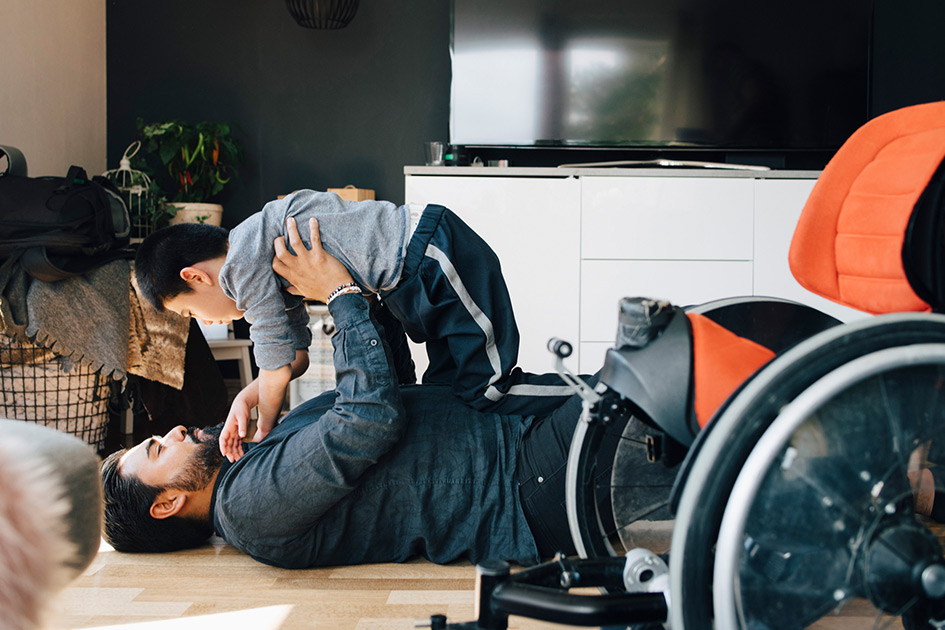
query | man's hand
(314,273)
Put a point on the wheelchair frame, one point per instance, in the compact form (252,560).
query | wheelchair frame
(640,591)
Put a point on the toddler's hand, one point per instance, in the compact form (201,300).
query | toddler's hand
(231,442)
(262,429)
(234,429)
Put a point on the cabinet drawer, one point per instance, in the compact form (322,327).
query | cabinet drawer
(604,282)
(662,218)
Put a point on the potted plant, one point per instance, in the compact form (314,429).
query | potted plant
(192,164)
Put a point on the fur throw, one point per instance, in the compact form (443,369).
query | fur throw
(157,342)
(34,545)
(95,319)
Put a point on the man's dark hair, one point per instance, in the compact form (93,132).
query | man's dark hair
(129,526)
(164,253)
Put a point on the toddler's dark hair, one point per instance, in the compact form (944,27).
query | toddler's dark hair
(164,253)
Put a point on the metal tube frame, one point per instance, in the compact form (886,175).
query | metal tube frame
(542,592)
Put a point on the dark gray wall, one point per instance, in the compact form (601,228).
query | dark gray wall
(316,108)
(908,53)
(322,109)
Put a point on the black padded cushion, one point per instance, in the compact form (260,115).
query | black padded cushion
(923,248)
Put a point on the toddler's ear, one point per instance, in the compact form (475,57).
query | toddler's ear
(195,275)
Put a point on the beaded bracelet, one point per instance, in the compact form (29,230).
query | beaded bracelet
(348,287)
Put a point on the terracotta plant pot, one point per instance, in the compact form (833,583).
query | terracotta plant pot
(209,213)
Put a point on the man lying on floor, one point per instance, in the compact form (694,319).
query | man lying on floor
(371,472)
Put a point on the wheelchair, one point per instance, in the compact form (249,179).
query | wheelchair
(754,463)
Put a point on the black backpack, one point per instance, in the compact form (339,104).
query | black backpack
(59,227)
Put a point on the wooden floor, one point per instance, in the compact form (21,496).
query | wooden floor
(218,587)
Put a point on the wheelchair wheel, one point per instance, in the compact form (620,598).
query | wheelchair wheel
(618,500)
(800,503)
(588,483)
(640,492)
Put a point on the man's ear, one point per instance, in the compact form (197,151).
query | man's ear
(195,275)
(168,503)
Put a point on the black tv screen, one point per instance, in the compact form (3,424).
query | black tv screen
(762,75)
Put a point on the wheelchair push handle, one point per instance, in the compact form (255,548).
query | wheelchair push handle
(560,348)
(563,349)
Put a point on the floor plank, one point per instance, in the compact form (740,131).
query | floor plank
(216,587)
(219,587)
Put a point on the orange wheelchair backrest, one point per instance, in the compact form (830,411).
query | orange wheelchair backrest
(848,243)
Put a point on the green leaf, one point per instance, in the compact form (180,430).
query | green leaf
(181,146)
(167,151)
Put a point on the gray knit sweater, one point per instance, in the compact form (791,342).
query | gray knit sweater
(368,237)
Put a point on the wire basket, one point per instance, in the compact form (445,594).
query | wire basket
(37,385)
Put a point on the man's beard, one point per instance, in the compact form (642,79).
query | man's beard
(204,463)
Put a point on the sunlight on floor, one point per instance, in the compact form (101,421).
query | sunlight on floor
(268,618)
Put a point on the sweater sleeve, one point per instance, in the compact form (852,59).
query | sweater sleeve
(258,295)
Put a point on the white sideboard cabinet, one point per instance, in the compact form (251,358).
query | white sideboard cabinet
(574,241)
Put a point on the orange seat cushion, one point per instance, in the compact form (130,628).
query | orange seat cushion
(847,245)
(721,362)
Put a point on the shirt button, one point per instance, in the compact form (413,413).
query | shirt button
(541,480)
(373,342)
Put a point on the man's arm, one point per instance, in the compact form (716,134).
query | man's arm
(315,274)
(284,485)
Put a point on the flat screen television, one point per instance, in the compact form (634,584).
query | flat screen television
(732,80)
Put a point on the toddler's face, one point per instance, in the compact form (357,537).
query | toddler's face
(207,304)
